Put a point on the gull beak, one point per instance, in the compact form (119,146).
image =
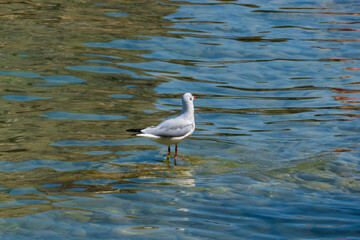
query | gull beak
(195,97)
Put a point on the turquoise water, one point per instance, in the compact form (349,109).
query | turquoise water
(275,153)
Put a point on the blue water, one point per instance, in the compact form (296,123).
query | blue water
(275,153)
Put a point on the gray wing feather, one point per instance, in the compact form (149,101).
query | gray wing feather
(170,128)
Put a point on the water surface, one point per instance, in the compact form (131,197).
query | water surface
(275,154)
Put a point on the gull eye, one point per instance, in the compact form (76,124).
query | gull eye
(191,99)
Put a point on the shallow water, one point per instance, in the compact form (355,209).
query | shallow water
(275,154)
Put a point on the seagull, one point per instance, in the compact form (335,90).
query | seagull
(173,130)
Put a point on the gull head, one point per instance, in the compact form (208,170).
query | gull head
(188,98)
(188,102)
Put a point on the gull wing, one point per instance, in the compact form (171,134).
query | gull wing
(175,127)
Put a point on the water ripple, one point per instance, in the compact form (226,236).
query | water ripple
(275,151)
(80,116)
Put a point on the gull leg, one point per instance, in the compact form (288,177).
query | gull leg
(175,155)
(169,150)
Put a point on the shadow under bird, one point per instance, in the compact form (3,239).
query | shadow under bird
(173,130)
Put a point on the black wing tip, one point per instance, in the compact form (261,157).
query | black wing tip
(135,130)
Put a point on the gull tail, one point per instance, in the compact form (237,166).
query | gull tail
(134,130)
